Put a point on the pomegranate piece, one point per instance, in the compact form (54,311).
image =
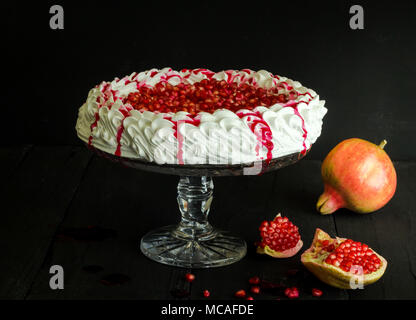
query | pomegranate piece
(240,294)
(189,277)
(254,280)
(338,261)
(280,238)
(255,289)
(316,292)
(292,292)
(206,95)
(206,293)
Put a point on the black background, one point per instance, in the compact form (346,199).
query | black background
(366,76)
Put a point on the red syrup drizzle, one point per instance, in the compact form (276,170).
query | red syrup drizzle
(264,138)
(294,106)
(208,73)
(194,121)
(97,114)
(230,76)
(93,125)
(305,132)
(125,110)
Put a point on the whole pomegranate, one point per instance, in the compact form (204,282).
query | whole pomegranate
(343,263)
(358,175)
(280,238)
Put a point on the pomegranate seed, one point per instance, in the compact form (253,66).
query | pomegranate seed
(316,292)
(292,293)
(206,293)
(255,289)
(240,294)
(282,98)
(189,277)
(254,280)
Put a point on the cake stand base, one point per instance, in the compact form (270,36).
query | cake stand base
(164,245)
(193,243)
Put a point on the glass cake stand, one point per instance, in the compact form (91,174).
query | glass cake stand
(194,243)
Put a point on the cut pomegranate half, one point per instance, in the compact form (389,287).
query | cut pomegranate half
(280,238)
(339,261)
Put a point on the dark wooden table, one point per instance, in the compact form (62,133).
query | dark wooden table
(65,206)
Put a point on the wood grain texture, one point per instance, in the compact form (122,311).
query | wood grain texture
(126,201)
(56,191)
(35,200)
(11,158)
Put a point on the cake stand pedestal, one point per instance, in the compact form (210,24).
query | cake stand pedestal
(194,243)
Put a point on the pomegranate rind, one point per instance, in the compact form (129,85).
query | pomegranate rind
(330,274)
(280,254)
(357,175)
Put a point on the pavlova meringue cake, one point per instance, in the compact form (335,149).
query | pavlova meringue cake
(201,117)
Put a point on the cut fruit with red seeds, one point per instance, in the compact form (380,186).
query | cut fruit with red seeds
(255,289)
(189,277)
(316,292)
(292,292)
(254,280)
(240,294)
(280,238)
(338,262)
(206,293)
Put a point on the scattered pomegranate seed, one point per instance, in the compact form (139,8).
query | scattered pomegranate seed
(292,292)
(255,289)
(316,292)
(206,293)
(254,280)
(351,253)
(240,294)
(189,277)
(249,298)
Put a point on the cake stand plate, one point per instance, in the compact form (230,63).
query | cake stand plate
(194,243)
